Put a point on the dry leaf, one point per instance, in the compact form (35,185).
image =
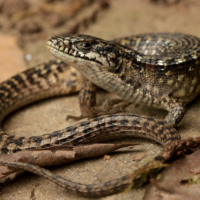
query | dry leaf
(179,181)
(106,157)
(138,157)
(57,155)
(11,58)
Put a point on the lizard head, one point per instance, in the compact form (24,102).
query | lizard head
(92,56)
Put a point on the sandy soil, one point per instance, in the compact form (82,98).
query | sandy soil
(123,18)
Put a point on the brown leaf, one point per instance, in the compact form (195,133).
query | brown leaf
(171,186)
(57,155)
(11,61)
(106,157)
(138,157)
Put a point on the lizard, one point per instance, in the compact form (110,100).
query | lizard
(158,70)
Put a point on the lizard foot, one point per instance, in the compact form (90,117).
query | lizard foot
(108,107)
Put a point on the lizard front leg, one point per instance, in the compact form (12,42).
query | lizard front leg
(87,102)
(176,110)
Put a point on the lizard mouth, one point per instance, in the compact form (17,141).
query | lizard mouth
(69,53)
(51,45)
(60,51)
(48,45)
(75,61)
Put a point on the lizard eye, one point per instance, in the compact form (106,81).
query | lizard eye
(85,45)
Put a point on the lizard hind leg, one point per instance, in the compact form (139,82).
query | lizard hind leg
(176,110)
(87,102)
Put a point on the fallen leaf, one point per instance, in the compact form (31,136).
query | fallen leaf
(177,181)
(106,157)
(138,157)
(11,58)
(57,155)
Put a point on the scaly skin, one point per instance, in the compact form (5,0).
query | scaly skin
(161,70)
(162,75)
(95,130)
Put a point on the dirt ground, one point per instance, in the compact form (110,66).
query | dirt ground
(121,18)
